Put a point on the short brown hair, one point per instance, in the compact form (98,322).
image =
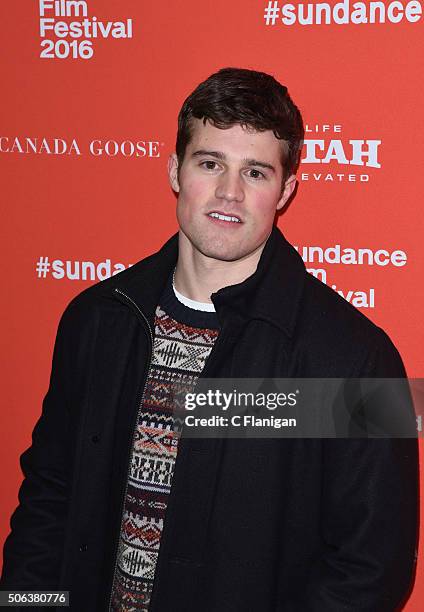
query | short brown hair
(252,99)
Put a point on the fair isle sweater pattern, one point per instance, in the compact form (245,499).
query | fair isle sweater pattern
(179,355)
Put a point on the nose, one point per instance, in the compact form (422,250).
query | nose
(230,187)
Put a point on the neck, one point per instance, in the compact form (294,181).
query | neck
(198,276)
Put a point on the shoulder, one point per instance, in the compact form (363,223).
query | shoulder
(83,309)
(142,274)
(343,336)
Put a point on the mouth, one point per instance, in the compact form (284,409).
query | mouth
(222,218)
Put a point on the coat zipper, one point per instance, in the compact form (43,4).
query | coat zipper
(221,339)
(131,301)
(217,343)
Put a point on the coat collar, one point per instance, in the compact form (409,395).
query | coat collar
(272,293)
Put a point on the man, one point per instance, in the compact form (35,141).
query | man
(247,525)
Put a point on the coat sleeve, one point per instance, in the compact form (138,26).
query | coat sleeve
(369,515)
(34,548)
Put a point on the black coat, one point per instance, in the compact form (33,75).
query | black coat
(256,525)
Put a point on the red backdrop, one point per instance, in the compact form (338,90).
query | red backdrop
(89,107)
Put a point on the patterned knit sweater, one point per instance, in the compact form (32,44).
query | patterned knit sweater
(183,339)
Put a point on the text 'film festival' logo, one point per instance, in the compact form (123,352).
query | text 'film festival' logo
(67,30)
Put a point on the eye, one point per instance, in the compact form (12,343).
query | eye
(209,164)
(256,174)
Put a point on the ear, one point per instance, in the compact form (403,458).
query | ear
(289,186)
(173,172)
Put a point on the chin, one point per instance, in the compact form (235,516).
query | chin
(221,252)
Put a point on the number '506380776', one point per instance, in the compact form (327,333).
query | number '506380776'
(37,597)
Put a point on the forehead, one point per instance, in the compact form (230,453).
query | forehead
(235,142)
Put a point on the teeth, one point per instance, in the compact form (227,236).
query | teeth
(224,217)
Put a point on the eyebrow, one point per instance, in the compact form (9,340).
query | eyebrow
(221,156)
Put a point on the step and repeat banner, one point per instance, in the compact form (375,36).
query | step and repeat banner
(90,97)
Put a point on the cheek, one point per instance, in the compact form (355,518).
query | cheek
(265,206)
(191,190)
(193,195)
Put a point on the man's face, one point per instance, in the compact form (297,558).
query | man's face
(229,189)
